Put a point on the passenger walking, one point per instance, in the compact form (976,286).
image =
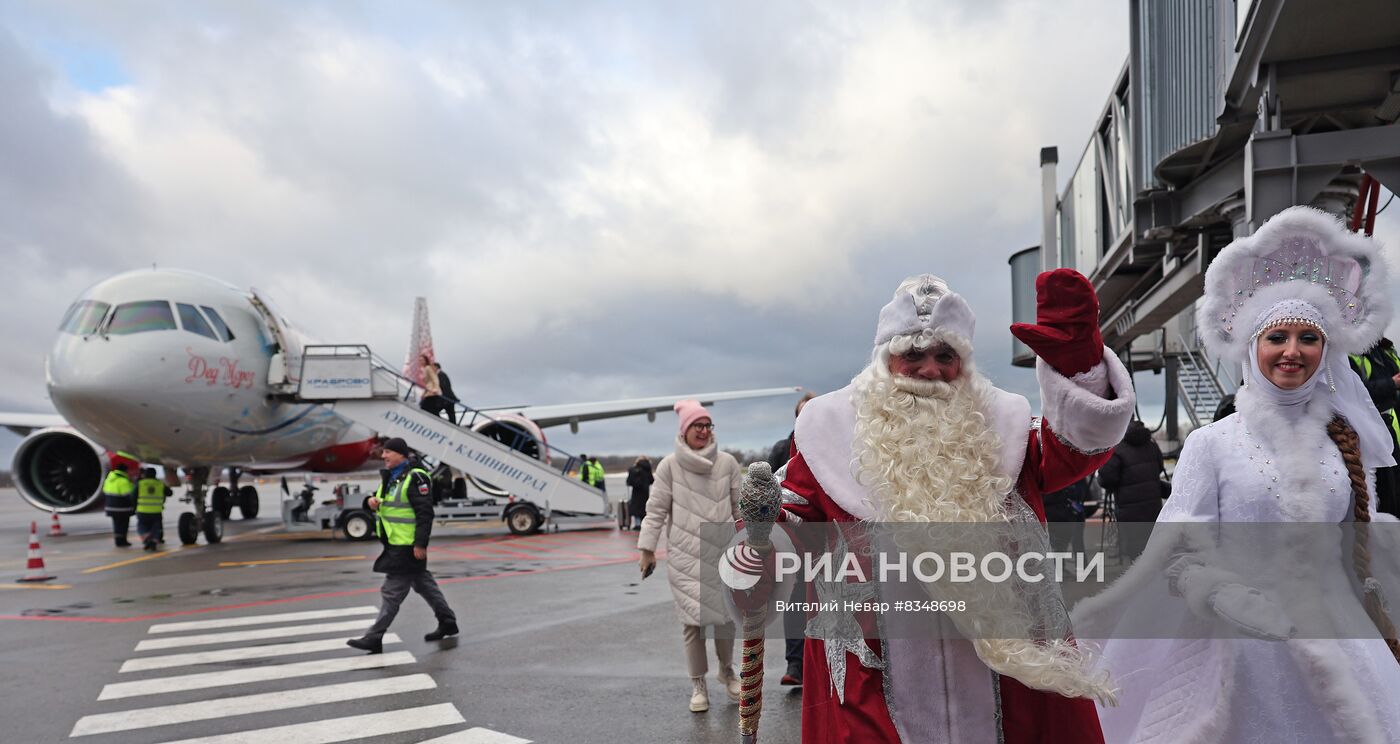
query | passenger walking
(1065,514)
(150,509)
(695,485)
(1134,474)
(404,505)
(639,479)
(794,621)
(119,495)
(1379,369)
(433,400)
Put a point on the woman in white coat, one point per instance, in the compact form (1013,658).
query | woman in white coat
(696,485)
(1230,632)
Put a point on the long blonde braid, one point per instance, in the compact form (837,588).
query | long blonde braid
(1349,445)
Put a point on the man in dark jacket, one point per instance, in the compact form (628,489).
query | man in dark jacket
(794,621)
(1379,369)
(1064,514)
(1133,473)
(404,503)
(639,479)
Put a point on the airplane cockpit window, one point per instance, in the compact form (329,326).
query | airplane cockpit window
(140,317)
(225,332)
(192,321)
(84,317)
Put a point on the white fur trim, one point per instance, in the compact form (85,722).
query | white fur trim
(825,434)
(1295,445)
(1080,417)
(1228,338)
(1330,679)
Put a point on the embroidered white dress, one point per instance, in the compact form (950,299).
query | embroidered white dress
(1185,686)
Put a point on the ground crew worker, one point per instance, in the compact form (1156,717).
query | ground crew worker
(150,509)
(597,477)
(1379,369)
(404,504)
(119,493)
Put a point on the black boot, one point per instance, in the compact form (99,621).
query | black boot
(443,630)
(123,543)
(372,645)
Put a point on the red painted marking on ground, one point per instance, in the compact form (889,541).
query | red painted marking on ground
(303,598)
(508,551)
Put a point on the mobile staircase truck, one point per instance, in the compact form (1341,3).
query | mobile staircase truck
(532,475)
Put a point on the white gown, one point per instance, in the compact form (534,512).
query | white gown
(1183,686)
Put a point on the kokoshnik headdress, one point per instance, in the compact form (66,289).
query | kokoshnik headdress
(1302,266)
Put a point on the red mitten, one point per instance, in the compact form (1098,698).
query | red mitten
(1066,331)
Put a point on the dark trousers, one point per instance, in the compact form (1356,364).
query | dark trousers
(150,527)
(436,405)
(120,523)
(394,591)
(1067,535)
(795,628)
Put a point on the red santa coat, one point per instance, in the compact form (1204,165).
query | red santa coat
(938,691)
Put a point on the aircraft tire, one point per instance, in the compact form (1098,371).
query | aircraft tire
(213,527)
(524,519)
(357,526)
(248,502)
(186,529)
(221,501)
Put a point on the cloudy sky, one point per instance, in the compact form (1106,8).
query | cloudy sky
(599,200)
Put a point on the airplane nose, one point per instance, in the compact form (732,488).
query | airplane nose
(89,379)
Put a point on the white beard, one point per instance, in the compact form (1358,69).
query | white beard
(925,449)
(928,456)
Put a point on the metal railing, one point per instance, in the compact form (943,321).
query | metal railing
(468,418)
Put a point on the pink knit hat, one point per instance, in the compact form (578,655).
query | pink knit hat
(690,411)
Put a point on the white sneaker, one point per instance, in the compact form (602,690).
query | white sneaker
(700,697)
(730,680)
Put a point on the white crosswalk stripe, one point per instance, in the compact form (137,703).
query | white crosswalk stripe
(257,658)
(349,728)
(285,617)
(227,677)
(148,663)
(477,736)
(164,715)
(282,631)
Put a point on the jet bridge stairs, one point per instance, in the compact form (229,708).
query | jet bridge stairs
(365,389)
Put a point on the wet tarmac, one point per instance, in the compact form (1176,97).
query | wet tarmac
(560,642)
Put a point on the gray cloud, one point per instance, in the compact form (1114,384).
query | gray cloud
(600,201)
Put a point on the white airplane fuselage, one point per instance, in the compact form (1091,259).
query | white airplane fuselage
(157,376)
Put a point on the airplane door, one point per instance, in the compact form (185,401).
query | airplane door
(284,368)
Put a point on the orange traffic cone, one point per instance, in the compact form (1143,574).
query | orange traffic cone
(34,570)
(55,528)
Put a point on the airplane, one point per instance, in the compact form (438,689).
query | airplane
(184,370)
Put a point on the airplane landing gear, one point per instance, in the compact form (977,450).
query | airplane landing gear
(204,519)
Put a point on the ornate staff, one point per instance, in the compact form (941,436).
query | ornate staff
(759,502)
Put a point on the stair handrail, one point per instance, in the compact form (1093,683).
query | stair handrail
(383,365)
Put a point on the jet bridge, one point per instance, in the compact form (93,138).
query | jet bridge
(359,386)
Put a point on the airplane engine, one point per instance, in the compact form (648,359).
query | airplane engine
(60,470)
(518,433)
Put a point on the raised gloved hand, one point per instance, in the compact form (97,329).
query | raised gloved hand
(1066,331)
(760,499)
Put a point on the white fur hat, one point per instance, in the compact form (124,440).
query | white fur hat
(925,309)
(1302,254)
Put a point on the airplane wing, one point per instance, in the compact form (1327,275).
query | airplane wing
(23,423)
(573,413)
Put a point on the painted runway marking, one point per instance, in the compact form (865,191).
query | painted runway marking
(202,710)
(229,677)
(284,561)
(36,586)
(478,736)
(240,654)
(253,635)
(349,728)
(234,622)
(137,559)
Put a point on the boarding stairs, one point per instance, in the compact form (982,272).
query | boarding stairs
(1199,385)
(367,390)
